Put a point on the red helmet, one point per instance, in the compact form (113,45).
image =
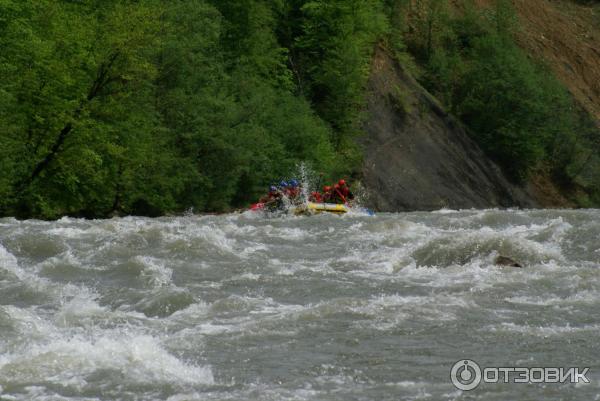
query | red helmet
(341,183)
(326,188)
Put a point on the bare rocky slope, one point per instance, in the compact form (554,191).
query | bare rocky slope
(418,157)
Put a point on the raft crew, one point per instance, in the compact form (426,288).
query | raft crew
(339,193)
(326,196)
(316,197)
(293,190)
(342,192)
(273,196)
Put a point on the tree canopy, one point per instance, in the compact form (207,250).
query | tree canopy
(155,106)
(152,107)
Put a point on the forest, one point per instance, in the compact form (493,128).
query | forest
(152,107)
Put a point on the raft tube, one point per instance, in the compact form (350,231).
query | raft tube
(327,207)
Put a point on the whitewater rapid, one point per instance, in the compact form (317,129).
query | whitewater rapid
(246,307)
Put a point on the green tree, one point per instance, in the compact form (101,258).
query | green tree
(82,85)
(336,47)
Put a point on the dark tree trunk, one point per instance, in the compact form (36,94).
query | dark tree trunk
(102,78)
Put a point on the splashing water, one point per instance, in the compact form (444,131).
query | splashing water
(311,182)
(307,180)
(241,307)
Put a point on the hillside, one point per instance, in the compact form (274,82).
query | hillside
(418,157)
(566,36)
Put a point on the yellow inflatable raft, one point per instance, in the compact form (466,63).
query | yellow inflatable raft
(312,207)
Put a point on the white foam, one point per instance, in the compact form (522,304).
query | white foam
(291,234)
(64,258)
(141,359)
(249,250)
(67,232)
(57,290)
(245,277)
(9,262)
(155,271)
(215,236)
(389,311)
(581,297)
(187,397)
(542,331)
(82,307)
(27,322)
(213,329)
(446,211)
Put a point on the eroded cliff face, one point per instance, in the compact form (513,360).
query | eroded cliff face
(418,157)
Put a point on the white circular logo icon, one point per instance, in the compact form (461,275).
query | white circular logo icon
(465,375)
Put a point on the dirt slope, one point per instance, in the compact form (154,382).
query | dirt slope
(566,36)
(418,157)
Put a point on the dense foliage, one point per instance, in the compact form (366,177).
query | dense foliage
(158,106)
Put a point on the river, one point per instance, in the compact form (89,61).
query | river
(245,307)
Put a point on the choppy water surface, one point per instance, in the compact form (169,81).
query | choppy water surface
(243,307)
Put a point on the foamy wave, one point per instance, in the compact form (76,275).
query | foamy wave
(8,263)
(29,278)
(154,271)
(582,297)
(140,359)
(543,331)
